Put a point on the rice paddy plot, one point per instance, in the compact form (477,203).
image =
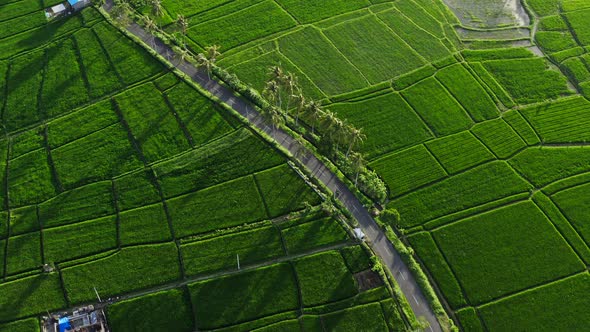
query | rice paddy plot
(544,165)
(378,53)
(459,152)
(252,23)
(409,169)
(529,80)
(389,125)
(563,121)
(441,112)
(485,247)
(222,252)
(474,187)
(499,137)
(542,309)
(572,203)
(315,56)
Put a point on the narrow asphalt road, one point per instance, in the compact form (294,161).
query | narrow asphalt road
(377,239)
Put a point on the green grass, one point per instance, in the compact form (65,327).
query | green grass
(311,52)
(577,69)
(80,123)
(407,170)
(427,45)
(101,74)
(38,37)
(283,191)
(63,86)
(84,203)
(159,311)
(492,84)
(542,309)
(579,22)
(307,12)
(469,321)
(435,262)
(521,126)
(443,114)
(135,190)
(356,258)
(130,60)
(499,137)
(12,10)
(79,240)
(151,122)
(21,101)
(496,238)
(313,234)
(572,230)
(373,49)
(555,41)
(221,252)
(214,208)
(405,80)
(470,94)
(563,121)
(324,278)
(24,253)
(572,203)
(29,179)
(389,124)
(26,142)
(244,296)
(421,17)
(98,156)
(474,187)
(23,220)
(166,81)
(130,269)
(198,114)
(544,165)
(368,317)
(216,163)
(144,225)
(30,296)
(459,152)
(544,7)
(496,54)
(29,324)
(528,80)
(255,22)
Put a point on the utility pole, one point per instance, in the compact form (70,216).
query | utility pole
(238,258)
(98,296)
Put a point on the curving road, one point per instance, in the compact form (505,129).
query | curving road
(375,236)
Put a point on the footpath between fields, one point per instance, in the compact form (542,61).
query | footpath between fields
(374,234)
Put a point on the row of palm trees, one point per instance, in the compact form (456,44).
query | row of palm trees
(282,90)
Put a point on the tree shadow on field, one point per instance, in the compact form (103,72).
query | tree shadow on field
(44,34)
(15,304)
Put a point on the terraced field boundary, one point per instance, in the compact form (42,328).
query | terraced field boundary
(378,240)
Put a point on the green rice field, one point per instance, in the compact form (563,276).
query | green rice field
(123,177)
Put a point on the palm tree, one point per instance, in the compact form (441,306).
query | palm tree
(315,112)
(290,83)
(355,136)
(202,61)
(272,91)
(213,52)
(157,8)
(183,54)
(276,73)
(182,24)
(358,163)
(300,105)
(276,117)
(150,26)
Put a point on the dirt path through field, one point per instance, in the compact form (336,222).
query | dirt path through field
(374,234)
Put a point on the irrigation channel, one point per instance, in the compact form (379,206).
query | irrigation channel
(375,236)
